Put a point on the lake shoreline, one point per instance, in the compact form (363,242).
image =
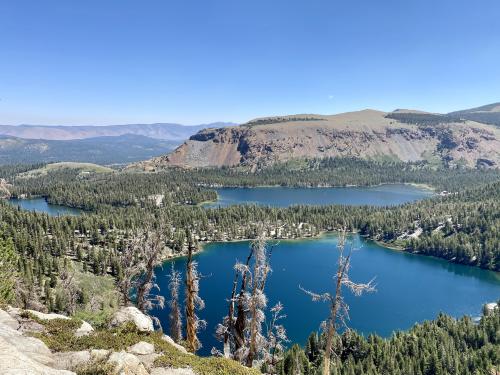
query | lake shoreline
(310,262)
(228,195)
(324,233)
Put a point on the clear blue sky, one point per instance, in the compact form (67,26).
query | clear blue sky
(123,61)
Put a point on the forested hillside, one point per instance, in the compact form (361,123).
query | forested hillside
(121,149)
(439,347)
(86,265)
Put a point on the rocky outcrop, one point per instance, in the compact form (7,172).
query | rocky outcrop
(21,354)
(127,364)
(364,134)
(142,348)
(174,344)
(132,314)
(84,329)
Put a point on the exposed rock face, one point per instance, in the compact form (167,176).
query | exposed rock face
(84,329)
(21,355)
(24,355)
(363,134)
(174,344)
(132,314)
(127,364)
(142,348)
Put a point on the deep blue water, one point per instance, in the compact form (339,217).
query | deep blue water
(410,288)
(383,195)
(41,205)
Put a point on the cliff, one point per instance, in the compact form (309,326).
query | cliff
(402,135)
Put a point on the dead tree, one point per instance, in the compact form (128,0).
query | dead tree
(70,291)
(276,337)
(153,247)
(256,301)
(193,303)
(141,255)
(130,267)
(339,310)
(175,321)
(241,330)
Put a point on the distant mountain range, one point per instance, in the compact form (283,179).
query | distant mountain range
(169,132)
(469,138)
(121,149)
(114,144)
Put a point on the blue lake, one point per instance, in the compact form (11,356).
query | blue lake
(410,288)
(383,195)
(41,205)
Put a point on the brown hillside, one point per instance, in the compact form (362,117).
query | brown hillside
(364,134)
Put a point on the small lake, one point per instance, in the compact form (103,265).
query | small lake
(410,288)
(382,195)
(41,205)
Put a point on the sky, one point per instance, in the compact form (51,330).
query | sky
(191,62)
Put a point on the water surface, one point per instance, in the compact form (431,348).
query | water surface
(383,195)
(41,205)
(410,288)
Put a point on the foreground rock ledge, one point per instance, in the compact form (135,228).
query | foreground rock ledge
(24,355)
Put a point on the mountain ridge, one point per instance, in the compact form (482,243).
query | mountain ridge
(370,134)
(104,150)
(164,131)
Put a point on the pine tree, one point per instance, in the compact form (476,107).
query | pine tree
(8,270)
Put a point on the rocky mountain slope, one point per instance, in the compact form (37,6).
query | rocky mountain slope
(488,114)
(404,135)
(171,132)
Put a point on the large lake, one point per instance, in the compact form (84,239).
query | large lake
(410,288)
(41,205)
(383,195)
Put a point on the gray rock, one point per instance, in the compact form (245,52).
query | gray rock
(9,321)
(174,344)
(127,364)
(44,316)
(30,346)
(132,314)
(84,330)
(70,360)
(171,371)
(142,348)
(20,355)
(148,360)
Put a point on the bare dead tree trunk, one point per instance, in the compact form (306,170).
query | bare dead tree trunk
(257,298)
(239,326)
(175,321)
(143,286)
(192,339)
(338,307)
(193,301)
(230,322)
(331,329)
